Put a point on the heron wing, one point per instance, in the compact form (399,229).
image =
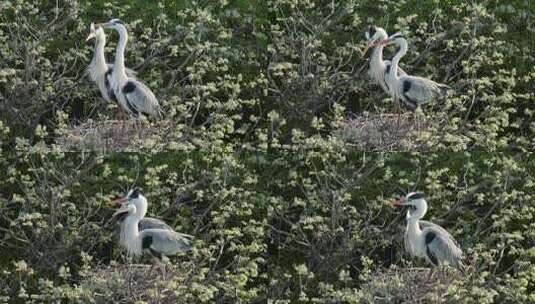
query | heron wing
(441,248)
(152,223)
(129,72)
(142,98)
(427,224)
(167,242)
(421,90)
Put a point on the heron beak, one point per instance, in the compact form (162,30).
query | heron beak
(103,25)
(372,44)
(123,209)
(119,201)
(90,36)
(399,202)
(366,48)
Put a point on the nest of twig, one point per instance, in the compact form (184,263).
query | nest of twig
(113,135)
(412,285)
(128,283)
(383,132)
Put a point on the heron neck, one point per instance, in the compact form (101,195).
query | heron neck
(119,68)
(131,234)
(395,61)
(377,55)
(413,226)
(99,58)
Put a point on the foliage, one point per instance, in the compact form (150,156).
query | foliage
(233,70)
(253,156)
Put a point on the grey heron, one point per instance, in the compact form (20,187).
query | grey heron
(134,96)
(158,241)
(144,223)
(425,239)
(412,90)
(378,66)
(99,71)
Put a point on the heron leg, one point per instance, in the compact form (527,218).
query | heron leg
(431,274)
(397,101)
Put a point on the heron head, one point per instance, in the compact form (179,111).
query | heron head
(95,32)
(375,36)
(116,24)
(375,33)
(131,203)
(416,203)
(397,38)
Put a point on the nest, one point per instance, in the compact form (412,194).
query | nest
(134,282)
(412,285)
(383,132)
(111,135)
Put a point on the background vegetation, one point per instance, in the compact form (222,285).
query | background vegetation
(255,159)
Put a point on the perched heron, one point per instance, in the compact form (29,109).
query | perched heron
(378,66)
(144,223)
(425,239)
(158,241)
(135,97)
(412,90)
(99,71)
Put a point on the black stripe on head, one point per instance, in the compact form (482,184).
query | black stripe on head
(371,31)
(118,21)
(134,194)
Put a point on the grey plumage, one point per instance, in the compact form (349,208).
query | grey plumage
(426,239)
(139,99)
(167,242)
(416,91)
(133,96)
(144,223)
(99,70)
(160,239)
(441,249)
(412,90)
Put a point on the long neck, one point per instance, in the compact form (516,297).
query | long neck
(119,68)
(130,234)
(413,226)
(377,55)
(98,58)
(395,61)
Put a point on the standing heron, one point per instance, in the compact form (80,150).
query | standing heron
(135,97)
(378,67)
(425,239)
(99,71)
(412,90)
(158,241)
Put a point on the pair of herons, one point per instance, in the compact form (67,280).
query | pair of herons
(138,233)
(115,82)
(413,91)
